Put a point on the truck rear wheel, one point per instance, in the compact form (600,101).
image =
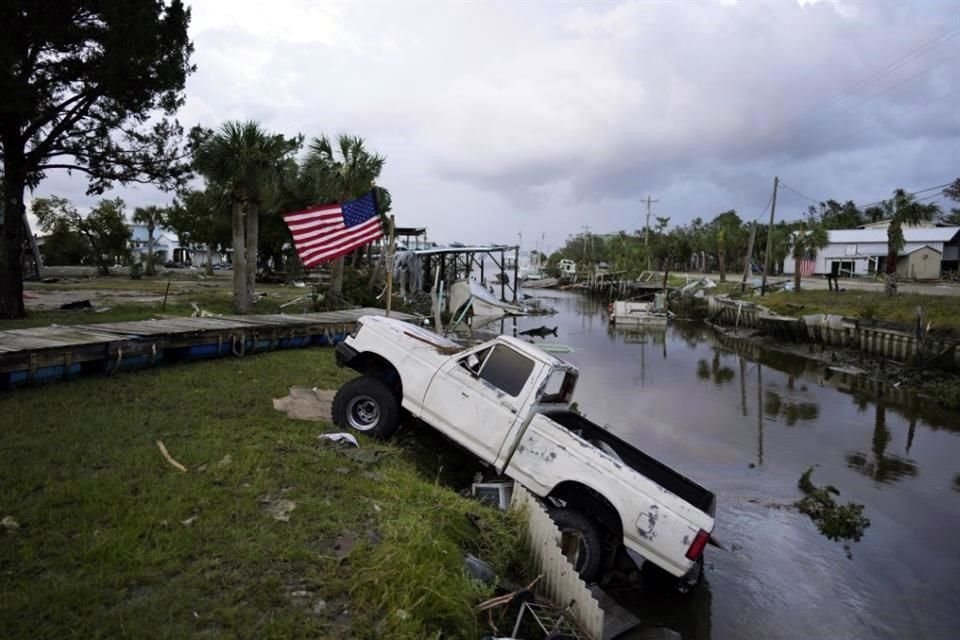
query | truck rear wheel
(580,542)
(367,405)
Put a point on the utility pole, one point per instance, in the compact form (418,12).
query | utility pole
(646,232)
(766,257)
(746,269)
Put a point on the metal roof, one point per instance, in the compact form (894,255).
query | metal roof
(910,234)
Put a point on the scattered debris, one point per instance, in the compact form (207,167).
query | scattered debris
(279,508)
(225,461)
(76,305)
(340,437)
(344,544)
(166,456)
(834,521)
(319,607)
(306,404)
(9,523)
(189,521)
(479,569)
(200,313)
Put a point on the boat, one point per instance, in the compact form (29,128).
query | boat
(632,313)
(482,302)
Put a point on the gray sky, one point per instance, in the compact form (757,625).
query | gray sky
(541,118)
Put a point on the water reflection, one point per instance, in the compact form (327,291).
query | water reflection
(719,373)
(689,615)
(881,467)
(792,411)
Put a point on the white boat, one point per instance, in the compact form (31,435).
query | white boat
(630,313)
(483,303)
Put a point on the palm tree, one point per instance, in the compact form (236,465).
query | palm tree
(153,217)
(333,177)
(902,209)
(809,237)
(245,163)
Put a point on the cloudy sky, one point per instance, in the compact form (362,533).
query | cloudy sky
(542,118)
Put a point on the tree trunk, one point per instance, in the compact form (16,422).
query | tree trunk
(722,266)
(11,241)
(890,282)
(209,269)
(797,260)
(253,239)
(149,270)
(336,277)
(241,303)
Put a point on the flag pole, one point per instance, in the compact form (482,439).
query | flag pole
(389,265)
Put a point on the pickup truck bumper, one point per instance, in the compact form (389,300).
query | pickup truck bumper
(345,354)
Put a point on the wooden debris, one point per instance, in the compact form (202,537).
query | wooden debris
(166,456)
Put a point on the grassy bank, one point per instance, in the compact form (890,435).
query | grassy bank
(943,312)
(106,539)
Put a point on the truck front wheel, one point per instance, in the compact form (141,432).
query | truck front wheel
(367,405)
(580,542)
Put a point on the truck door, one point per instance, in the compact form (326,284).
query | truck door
(475,399)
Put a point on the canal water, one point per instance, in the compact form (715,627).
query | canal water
(747,428)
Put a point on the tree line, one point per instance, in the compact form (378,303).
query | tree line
(721,244)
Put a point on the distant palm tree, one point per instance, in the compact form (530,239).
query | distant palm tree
(153,217)
(245,163)
(902,209)
(807,239)
(336,177)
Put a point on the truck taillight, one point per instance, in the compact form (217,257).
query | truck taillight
(699,543)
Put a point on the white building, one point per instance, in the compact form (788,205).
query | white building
(167,248)
(928,251)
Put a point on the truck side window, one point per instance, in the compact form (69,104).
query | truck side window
(507,370)
(474,361)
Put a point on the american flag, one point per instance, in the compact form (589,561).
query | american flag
(807,267)
(328,231)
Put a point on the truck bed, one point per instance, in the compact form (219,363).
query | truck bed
(677,484)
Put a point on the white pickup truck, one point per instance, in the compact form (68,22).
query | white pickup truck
(508,402)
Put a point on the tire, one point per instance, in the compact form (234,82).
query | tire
(580,530)
(367,405)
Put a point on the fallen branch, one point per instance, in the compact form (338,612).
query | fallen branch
(166,456)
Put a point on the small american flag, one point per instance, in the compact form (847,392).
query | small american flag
(329,231)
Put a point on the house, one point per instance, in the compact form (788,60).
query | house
(167,247)
(927,253)
(568,267)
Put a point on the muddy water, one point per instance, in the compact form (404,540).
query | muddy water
(747,429)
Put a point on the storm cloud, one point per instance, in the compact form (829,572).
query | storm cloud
(543,118)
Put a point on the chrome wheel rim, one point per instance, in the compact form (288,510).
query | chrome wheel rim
(363,413)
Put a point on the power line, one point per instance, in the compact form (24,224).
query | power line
(899,115)
(921,50)
(789,188)
(769,200)
(821,123)
(911,193)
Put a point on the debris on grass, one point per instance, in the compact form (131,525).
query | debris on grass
(306,404)
(9,523)
(344,544)
(225,461)
(836,522)
(166,456)
(278,508)
(189,521)
(340,437)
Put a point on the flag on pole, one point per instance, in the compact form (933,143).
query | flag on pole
(329,231)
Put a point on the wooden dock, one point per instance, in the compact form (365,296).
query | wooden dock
(56,352)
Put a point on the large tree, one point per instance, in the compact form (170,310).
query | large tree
(201,217)
(152,217)
(104,228)
(87,86)
(727,240)
(952,192)
(901,210)
(246,164)
(337,174)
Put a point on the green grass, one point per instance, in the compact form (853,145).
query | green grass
(101,549)
(943,312)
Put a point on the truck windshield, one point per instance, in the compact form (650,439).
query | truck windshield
(559,387)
